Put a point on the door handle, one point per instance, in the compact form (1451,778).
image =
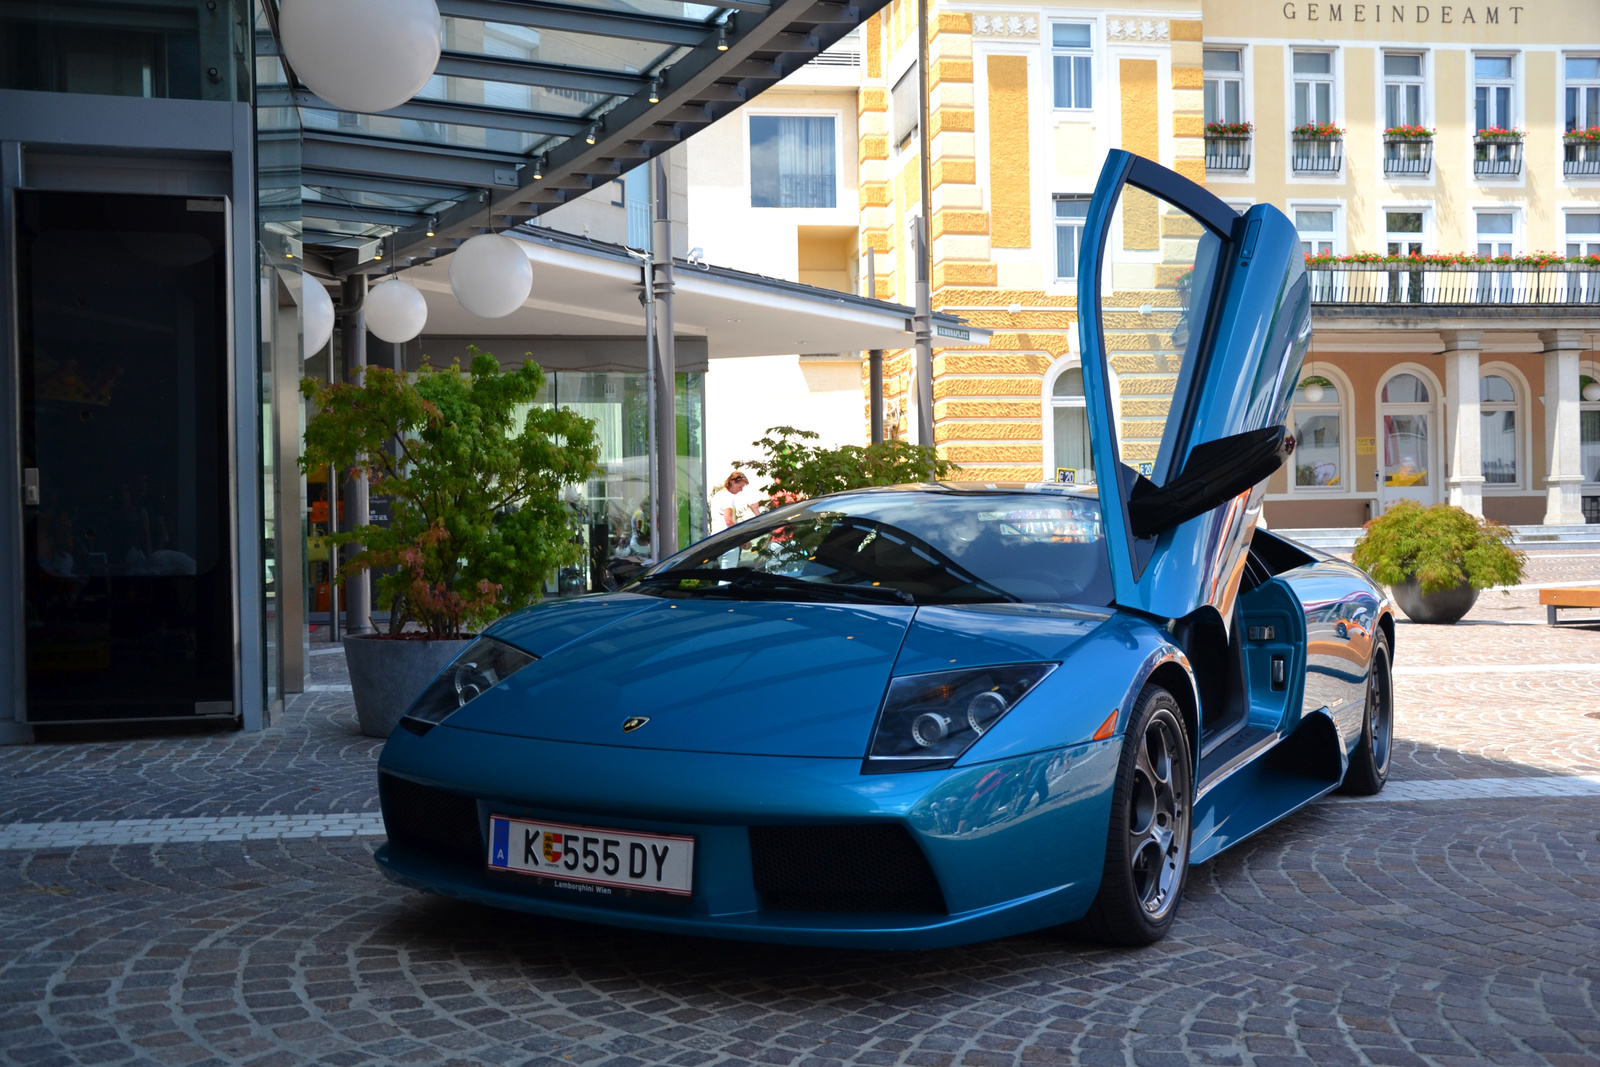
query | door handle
(30,487)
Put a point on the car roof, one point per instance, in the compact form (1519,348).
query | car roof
(978,488)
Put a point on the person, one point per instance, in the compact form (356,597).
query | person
(730,505)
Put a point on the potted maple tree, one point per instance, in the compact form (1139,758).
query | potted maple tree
(474,472)
(1436,559)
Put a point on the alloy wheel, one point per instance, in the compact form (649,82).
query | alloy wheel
(1380,711)
(1158,819)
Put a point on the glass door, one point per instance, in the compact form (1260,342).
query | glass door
(1406,422)
(129,577)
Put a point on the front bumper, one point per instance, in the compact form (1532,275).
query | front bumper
(1014,845)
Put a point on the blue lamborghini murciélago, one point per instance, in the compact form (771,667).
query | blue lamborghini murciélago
(940,713)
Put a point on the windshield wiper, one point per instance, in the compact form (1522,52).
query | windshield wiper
(739,579)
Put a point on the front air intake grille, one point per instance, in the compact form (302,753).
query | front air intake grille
(420,817)
(842,868)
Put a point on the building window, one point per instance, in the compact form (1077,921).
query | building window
(1402,89)
(1316,413)
(1583,239)
(1497,432)
(906,99)
(1072,62)
(1316,230)
(1405,415)
(1070,214)
(1069,417)
(793,161)
(1583,92)
(1589,424)
(1495,230)
(1313,88)
(1403,234)
(1224,85)
(1491,92)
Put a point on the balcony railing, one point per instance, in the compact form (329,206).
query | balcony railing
(1317,155)
(1560,285)
(1228,154)
(1407,156)
(1495,157)
(1582,158)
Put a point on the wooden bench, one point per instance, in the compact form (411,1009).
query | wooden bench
(1553,599)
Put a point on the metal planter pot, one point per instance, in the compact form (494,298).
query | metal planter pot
(1445,606)
(386,675)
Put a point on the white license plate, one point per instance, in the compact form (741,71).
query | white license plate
(590,857)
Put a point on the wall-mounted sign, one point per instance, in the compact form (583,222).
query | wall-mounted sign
(1366,446)
(953,331)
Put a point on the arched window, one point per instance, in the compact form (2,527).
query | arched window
(1497,430)
(1589,421)
(1069,429)
(1317,415)
(1407,413)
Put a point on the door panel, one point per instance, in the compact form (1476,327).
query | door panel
(1194,321)
(124,324)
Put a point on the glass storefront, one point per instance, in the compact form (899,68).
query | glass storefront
(611,511)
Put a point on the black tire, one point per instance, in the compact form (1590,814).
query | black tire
(1147,845)
(1369,764)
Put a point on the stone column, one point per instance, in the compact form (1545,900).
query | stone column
(1563,479)
(1462,423)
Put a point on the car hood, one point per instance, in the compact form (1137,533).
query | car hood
(710,675)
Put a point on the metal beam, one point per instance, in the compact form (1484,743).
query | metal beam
(548,75)
(451,112)
(634,26)
(366,183)
(361,214)
(442,164)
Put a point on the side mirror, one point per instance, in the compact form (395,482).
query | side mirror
(1214,474)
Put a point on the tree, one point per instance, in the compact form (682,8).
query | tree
(474,476)
(796,466)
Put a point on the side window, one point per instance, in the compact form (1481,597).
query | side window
(1070,212)
(1072,64)
(1160,275)
(793,161)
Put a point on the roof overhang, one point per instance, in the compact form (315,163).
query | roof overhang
(589,289)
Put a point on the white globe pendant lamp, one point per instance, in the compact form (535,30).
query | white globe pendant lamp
(490,275)
(361,55)
(1313,392)
(316,315)
(396,312)
(1591,392)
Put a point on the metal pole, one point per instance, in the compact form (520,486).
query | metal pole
(874,357)
(648,299)
(923,321)
(666,440)
(358,589)
(924,324)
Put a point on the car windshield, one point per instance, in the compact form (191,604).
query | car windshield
(904,546)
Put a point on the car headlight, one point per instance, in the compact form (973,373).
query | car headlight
(481,666)
(929,720)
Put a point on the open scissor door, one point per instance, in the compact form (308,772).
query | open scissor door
(1193,322)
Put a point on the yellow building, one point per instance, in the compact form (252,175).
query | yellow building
(1477,387)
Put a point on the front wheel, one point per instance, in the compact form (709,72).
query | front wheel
(1147,847)
(1369,764)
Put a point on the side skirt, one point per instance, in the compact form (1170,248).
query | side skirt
(1275,783)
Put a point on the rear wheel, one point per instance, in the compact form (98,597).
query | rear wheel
(1369,764)
(1147,848)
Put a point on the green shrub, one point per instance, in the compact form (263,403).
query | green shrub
(477,521)
(798,467)
(1440,546)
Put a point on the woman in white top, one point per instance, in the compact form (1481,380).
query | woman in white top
(730,504)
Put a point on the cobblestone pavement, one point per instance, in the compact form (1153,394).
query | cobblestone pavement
(1464,928)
